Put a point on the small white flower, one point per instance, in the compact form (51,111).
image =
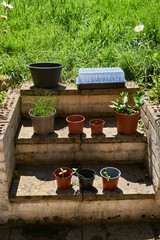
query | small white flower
(9,6)
(3,17)
(139,28)
(4,3)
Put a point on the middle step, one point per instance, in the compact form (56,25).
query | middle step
(61,147)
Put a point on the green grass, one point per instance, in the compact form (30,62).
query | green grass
(82,33)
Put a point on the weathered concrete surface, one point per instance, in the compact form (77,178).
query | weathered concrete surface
(9,122)
(71,101)
(151,119)
(36,183)
(107,231)
(86,148)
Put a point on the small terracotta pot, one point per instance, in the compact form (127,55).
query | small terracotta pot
(63,183)
(96,126)
(42,125)
(86,177)
(114,174)
(75,124)
(127,124)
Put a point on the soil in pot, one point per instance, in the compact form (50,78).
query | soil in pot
(96,126)
(42,125)
(86,177)
(75,124)
(114,174)
(63,182)
(45,75)
(127,124)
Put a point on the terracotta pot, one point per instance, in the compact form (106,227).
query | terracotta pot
(114,174)
(75,124)
(42,125)
(96,126)
(63,183)
(127,124)
(86,177)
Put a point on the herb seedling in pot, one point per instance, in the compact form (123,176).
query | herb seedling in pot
(63,171)
(75,172)
(106,174)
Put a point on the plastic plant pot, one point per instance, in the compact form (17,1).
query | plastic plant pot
(96,126)
(75,124)
(114,174)
(45,75)
(86,177)
(127,124)
(42,125)
(63,182)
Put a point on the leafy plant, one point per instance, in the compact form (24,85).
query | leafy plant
(3,95)
(121,104)
(43,106)
(106,174)
(63,171)
(154,92)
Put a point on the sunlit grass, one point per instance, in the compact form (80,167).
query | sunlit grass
(82,33)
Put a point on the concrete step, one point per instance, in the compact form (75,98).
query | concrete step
(61,147)
(35,194)
(69,100)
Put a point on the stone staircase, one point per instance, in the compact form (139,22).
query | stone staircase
(34,195)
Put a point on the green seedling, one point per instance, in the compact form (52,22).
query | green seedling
(75,172)
(16,174)
(63,171)
(106,174)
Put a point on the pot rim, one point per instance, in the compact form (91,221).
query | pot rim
(124,114)
(36,67)
(75,115)
(33,116)
(102,122)
(94,173)
(110,168)
(71,172)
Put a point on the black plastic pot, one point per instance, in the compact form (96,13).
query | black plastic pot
(86,177)
(45,75)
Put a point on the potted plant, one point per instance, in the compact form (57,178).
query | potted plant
(110,177)
(45,75)
(127,116)
(75,124)
(96,126)
(63,177)
(86,177)
(42,115)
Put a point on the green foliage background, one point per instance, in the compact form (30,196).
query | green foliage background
(82,33)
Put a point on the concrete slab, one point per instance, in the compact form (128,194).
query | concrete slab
(38,183)
(61,134)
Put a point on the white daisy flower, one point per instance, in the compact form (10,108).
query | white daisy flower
(139,28)
(4,3)
(9,6)
(3,17)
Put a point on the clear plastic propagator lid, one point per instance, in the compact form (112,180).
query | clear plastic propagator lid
(100,75)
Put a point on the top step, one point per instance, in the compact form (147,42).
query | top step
(70,100)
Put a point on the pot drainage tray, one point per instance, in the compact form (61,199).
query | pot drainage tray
(92,78)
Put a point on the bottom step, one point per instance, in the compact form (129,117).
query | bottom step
(36,183)
(34,197)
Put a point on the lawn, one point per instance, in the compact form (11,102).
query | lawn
(81,33)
